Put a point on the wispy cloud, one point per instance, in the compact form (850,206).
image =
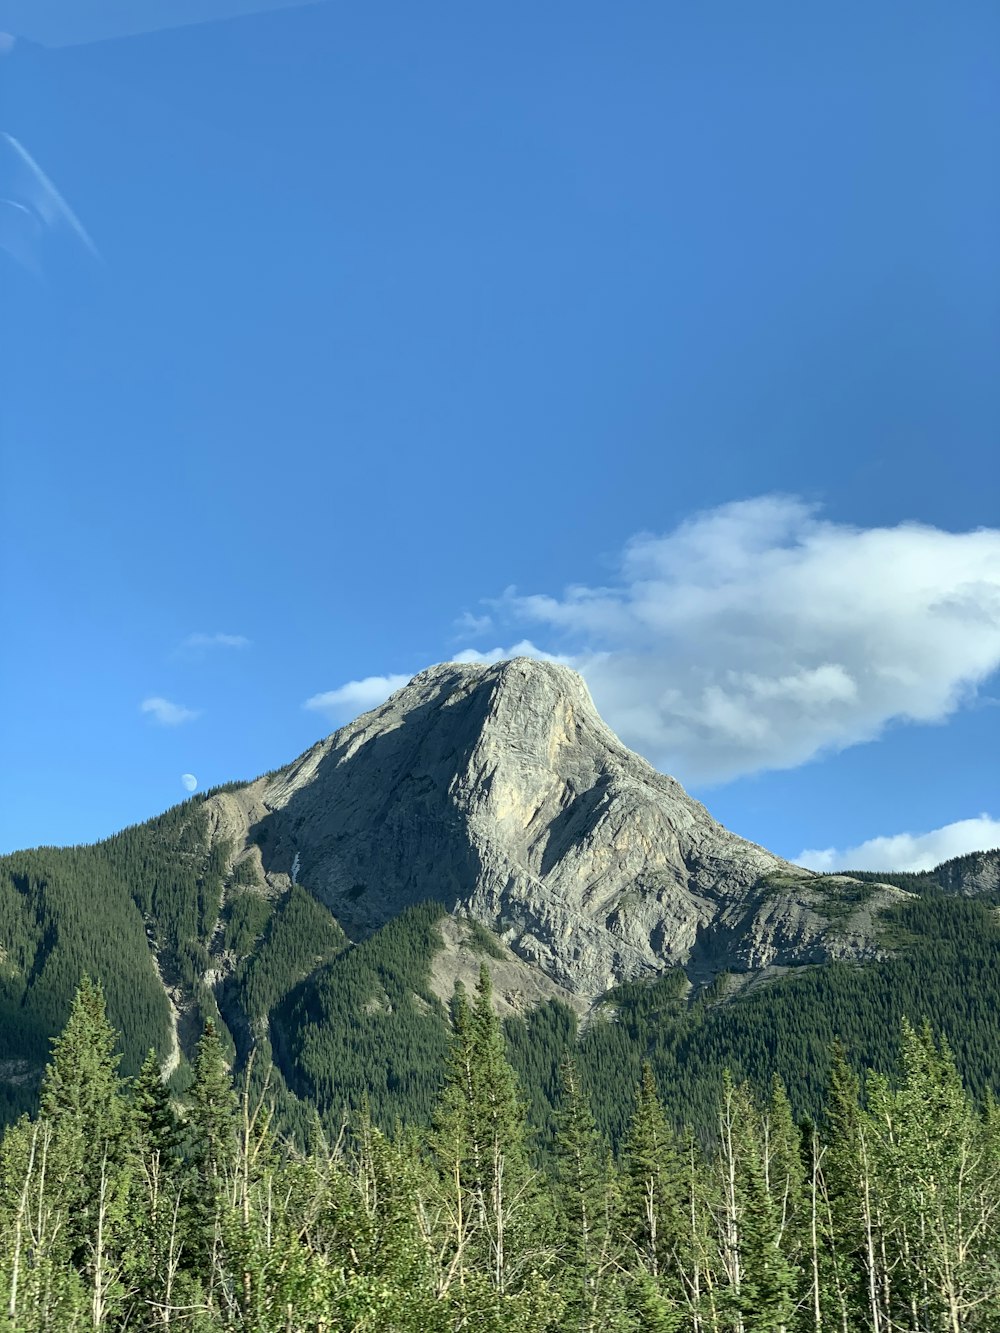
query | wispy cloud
(357,696)
(201,642)
(757,635)
(525,648)
(473,626)
(908,851)
(166,713)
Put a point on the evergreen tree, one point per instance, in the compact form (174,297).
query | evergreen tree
(211,1143)
(490,1206)
(82,1102)
(845,1245)
(155,1126)
(81,1091)
(653,1210)
(156,1224)
(785,1179)
(937,1184)
(882,1217)
(586,1195)
(761,1280)
(211,1119)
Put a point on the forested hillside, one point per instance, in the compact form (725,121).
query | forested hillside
(336,1024)
(122,1209)
(147,897)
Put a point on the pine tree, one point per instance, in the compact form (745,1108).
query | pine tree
(761,1280)
(488,1190)
(938,1186)
(156,1233)
(653,1202)
(784,1175)
(585,1194)
(211,1120)
(211,1142)
(82,1101)
(81,1091)
(847,1253)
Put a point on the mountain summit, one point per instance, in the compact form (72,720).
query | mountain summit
(499,791)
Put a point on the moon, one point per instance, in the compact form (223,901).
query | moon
(189,782)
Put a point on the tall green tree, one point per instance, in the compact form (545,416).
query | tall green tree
(156,1229)
(82,1100)
(761,1279)
(490,1206)
(588,1199)
(654,1181)
(937,1182)
(212,1149)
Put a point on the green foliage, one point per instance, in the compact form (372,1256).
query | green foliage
(482,941)
(366,1026)
(585,1195)
(950,966)
(300,936)
(336,1025)
(886,1216)
(484,1183)
(246,918)
(66,912)
(653,1202)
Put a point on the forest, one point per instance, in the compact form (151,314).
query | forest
(126,1207)
(335,1024)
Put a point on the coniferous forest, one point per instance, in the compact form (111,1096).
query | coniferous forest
(314,1140)
(124,1207)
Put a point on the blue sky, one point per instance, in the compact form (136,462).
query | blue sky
(660,337)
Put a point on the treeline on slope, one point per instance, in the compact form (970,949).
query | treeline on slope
(952,876)
(99,909)
(947,963)
(367,1028)
(122,1209)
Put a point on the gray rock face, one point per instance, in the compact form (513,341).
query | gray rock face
(499,791)
(971,875)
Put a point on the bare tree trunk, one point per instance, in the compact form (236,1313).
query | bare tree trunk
(731,1239)
(98,1295)
(871,1263)
(173,1263)
(814,1231)
(22,1210)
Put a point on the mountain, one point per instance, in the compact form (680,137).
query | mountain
(499,791)
(323,914)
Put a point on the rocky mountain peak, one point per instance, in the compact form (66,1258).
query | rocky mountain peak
(500,791)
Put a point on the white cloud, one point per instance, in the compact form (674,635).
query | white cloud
(472,625)
(166,713)
(198,642)
(909,851)
(523,649)
(189,782)
(758,635)
(357,696)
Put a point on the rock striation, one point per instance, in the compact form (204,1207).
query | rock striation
(499,791)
